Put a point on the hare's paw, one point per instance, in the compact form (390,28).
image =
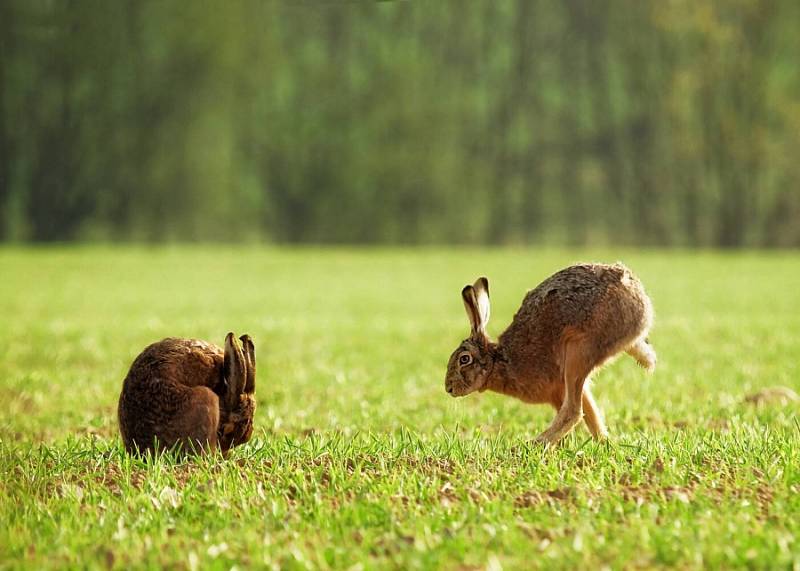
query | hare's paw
(546,440)
(226,434)
(236,426)
(244,419)
(247,406)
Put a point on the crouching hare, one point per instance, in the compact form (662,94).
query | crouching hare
(572,323)
(190,395)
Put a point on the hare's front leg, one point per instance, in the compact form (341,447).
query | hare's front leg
(576,366)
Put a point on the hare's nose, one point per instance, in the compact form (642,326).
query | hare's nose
(450,390)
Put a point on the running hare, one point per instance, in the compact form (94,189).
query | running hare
(568,326)
(189,394)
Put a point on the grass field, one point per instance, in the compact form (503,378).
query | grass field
(360,459)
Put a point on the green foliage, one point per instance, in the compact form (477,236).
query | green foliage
(512,121)
(359,456)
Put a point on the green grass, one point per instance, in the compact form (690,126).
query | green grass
(360,459)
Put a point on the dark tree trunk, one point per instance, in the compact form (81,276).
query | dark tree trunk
(502,220)
(572,155)
(6,39)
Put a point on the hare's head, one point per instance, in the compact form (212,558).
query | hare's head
(472,362)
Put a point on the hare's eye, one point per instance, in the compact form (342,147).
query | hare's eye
(465,359)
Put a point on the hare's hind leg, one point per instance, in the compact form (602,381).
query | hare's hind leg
(576,366)
(194,427)
(592,415)
(157,414)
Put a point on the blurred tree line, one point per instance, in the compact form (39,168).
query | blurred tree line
(513,121)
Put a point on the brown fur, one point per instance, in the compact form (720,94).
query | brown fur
(568,326)
(190,395)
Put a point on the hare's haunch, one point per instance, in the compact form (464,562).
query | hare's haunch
(189,394)
(569,325)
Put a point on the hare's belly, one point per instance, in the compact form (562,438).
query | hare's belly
(538,388)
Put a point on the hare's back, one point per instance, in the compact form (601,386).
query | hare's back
(570,297)
(187,362)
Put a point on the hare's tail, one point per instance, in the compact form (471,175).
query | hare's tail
(644,354)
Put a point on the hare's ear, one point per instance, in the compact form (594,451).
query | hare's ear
(471,306)
(481,289)
(476,302)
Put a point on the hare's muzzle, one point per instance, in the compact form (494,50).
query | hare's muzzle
(450,387)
